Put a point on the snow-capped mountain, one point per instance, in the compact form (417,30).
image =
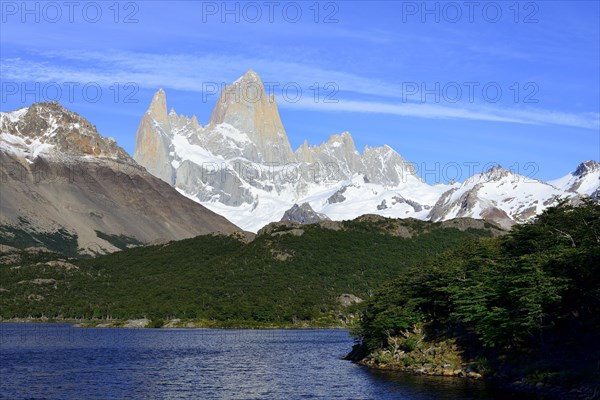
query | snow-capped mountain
(241,166)
(58,174)
(584,180)
(51,130)
(498,195)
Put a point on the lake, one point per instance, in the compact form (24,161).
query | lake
(57,361)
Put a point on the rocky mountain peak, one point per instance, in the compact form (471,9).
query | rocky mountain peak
(241,164)
(585,180)
(246,106)
(496,173)
(339,153)
(344,140)
(67,183)
(586,167)
(303,214)
(158,107)
(195,123)
(305,153)
(249,76)
(49,128)
(385,166)
(152,142)
(384,150)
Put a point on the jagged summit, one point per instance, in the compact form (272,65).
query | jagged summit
(158,107)
(242,160)
(496,173)
(50,129)
(249,76)
(241,165)
(586,167)
(385,166)
(159,100)
(60,174)
(303,214)
(497,194)
(344,139)
(246,106)
(584,180)
(153,139)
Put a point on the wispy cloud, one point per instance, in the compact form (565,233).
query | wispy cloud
(435,111)
(191,72)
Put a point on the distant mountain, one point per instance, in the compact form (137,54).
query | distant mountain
(584,180)
(64,182)
(498,195)
(241,165)
(303,214)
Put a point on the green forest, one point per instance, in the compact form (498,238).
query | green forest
(523,306)
(289,275)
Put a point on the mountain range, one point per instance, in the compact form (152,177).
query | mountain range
(241,165)
(62,183)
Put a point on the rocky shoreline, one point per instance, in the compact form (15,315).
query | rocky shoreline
(584,392)
(377,360)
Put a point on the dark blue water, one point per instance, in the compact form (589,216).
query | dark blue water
(56,361)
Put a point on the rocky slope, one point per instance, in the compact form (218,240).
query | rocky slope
(240,165)
(584,180)
(303,214)
(498,195)
(59,174)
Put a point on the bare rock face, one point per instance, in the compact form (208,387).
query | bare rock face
(58,173)
(303,214)
(347,299)
(338,196)
(247,107)
(224,185)
(137,323)
(338,156)
(153,140)
(464,224)
(586,168)
(384,166)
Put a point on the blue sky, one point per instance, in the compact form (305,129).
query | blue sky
(528,72)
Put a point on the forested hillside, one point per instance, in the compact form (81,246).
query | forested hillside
(524,307)
(288,275)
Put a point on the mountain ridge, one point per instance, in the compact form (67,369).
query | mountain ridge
(61,177)
(251,175)
(213,165)
(231,167)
